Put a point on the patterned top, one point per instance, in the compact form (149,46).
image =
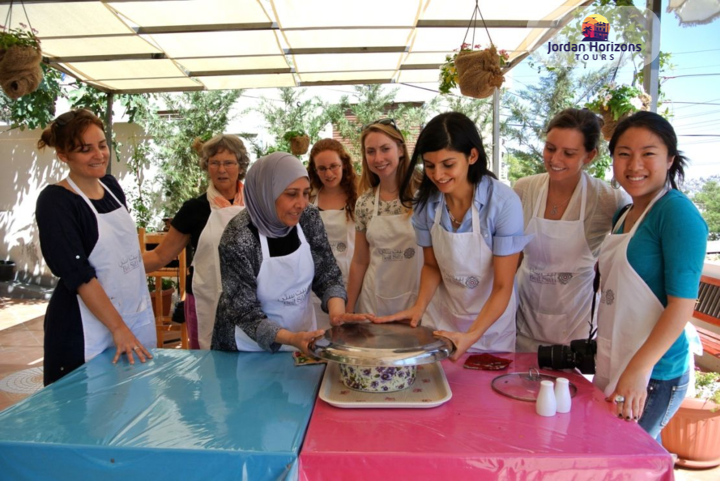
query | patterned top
(365,207)
(240,260)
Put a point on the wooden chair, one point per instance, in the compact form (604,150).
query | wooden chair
(176,270)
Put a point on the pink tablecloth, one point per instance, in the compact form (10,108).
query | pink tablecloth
(480,434)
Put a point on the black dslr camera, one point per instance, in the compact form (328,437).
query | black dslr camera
(579,354)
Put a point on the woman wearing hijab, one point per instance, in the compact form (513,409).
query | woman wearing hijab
(271,255)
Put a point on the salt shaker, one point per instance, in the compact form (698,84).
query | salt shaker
(563,401)
(545,404)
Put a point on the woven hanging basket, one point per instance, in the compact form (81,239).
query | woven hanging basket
(20,71)
(610,124)
(299,145)
(478,72)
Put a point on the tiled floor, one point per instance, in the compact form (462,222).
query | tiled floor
(21,357)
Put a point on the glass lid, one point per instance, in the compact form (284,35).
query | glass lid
(367,344)
(524,386)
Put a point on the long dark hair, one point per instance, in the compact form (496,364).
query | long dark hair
(659,126)
(349,178)
(452,131)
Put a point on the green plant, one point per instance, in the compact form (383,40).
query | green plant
(707,386)
(618,100)
(291,134)
(19,37)
(166,284)
(448,71)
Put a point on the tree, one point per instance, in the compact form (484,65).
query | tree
(532,108)
(37,109)
(370,103)
(293,113)
(708,200)
(191,115)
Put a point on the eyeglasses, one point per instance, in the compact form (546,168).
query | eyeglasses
(228,164)
(333,168)
(387,121)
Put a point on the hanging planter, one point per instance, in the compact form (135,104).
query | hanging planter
(616,103)
(299,141)
(20,59)
(477,72)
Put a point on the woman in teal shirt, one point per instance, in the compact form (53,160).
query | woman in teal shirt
(650,270)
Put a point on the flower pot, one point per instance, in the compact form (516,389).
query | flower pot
(610,124)
(478,72)
(166,300)
(694,434)
(299,145)
(7,271)
(20,71)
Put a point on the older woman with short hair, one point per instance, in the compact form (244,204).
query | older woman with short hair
(199,223)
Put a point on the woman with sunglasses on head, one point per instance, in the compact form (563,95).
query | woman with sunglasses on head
(385,268)
(199,223)
(272,255)
(334,185)
(89,241)
(650,269)
(569,212)
(471,229)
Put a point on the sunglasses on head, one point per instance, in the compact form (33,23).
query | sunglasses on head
(387,121)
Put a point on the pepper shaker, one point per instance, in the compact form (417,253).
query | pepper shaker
(545,404)
(563,401)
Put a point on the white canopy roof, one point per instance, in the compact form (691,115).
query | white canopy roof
(174,45)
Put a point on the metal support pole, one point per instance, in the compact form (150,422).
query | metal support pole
(496,133)
(109,128)
(651,70)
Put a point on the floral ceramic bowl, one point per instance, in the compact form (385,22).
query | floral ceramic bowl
(377,379)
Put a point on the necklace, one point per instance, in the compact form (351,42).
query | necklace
(452,217)
(555,207)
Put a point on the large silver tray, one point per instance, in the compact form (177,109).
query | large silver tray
(367,344)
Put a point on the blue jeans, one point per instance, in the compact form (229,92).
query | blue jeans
(663,401)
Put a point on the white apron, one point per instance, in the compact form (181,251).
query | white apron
(555,282)
(466,266)
(341,235)
(119,269)
(207,285)
(392,279)
(628,308)
(283,289)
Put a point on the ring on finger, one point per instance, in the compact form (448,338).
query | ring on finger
(135,348)
(619,399)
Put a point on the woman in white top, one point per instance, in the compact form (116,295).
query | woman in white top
(334,183)
(385,269)
(569,212)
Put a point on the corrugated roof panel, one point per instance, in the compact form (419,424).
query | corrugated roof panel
(368,13)
(217,44)
(234,63)
(179,13)
(101,47)
(226,82)
(66,19)
(347,62)
(127,69)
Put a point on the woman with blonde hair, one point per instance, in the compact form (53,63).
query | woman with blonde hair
(334,185)
(200,223)
(385,269)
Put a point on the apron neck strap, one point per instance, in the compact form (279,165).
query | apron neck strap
(642,216)
(377,201)
(85,197)
(583,197)
(474,212)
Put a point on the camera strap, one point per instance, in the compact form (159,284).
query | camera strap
(596,288)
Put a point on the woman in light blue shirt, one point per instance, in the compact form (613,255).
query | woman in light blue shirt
(471,229)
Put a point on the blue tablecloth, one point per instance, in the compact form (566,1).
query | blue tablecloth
(183,415)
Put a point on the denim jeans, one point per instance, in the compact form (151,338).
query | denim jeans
(663,401)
